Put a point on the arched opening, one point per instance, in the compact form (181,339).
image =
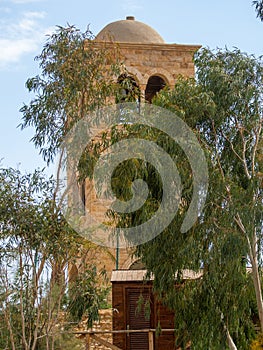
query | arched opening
(137,265)
(154,85)
(129,90)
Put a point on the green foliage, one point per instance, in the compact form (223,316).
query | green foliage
(36,248)
(77,77)
(188,100)
(87,295)
(128,90)
(143,308)
(224,108)
(259,8)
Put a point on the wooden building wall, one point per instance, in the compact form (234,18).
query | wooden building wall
(126,314)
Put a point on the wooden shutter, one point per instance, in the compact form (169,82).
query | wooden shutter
(136,320)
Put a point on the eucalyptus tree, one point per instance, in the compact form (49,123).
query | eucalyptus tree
(224,108)
(259,8)
(35,305)
(77,76)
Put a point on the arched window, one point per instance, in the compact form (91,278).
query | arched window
(129,90)
(154,85)
(137,265)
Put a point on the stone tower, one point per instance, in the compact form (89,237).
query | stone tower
(150,61)
(151,64)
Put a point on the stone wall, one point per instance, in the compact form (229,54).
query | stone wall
(166,60)
(104,324)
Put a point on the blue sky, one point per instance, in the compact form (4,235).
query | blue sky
(25,23)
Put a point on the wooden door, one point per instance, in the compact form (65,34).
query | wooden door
(136,319)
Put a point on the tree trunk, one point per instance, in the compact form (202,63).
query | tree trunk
(230,341)
(255,273)
(256,281)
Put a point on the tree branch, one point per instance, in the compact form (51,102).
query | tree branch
(258,132)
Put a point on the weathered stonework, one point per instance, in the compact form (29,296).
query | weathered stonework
(145,55)
(165,60)
(104,324)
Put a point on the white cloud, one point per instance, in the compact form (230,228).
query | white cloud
(28,23)
(13,50)
(21,37)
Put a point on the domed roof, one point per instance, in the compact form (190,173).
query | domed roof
(129,31)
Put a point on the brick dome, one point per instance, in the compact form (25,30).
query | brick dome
(129,31)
